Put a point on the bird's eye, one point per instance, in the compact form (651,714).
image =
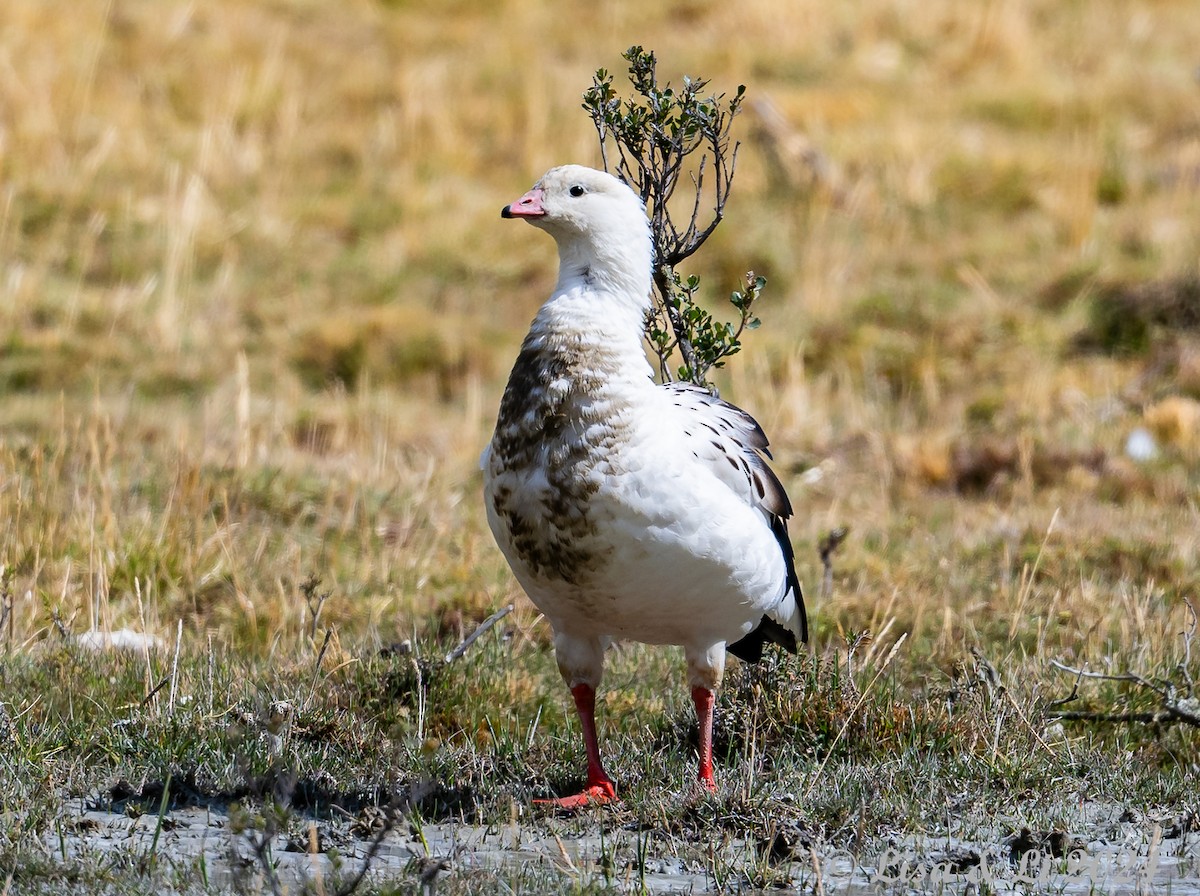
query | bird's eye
(578,190)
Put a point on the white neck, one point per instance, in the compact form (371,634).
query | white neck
(599,305)
(579,321)
(585,319)
(617,270)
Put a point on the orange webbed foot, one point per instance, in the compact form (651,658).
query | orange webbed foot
(596,794)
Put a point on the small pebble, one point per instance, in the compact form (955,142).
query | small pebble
(1140,445)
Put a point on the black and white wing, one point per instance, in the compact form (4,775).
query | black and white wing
(735,448)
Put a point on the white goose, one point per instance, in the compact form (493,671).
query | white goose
(629,510)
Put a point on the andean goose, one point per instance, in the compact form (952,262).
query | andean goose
(626,509)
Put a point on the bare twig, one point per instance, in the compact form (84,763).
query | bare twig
(1170,708)
(158,687)
(317,666)
(1168,712)
(827,548)
(1145,718)
(1071,696)
(819,886)
(1185,671)
(315,599)
(1108,676)
(474,636)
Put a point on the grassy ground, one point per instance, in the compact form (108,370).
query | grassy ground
(256,312)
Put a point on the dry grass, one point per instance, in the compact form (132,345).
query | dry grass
(257,307)
(286,276)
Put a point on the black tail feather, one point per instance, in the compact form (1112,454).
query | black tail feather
(750,648)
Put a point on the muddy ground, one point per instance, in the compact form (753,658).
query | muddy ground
(1112,850)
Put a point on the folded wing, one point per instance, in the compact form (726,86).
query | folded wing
(735,449)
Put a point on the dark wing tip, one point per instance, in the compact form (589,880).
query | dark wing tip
(779,528)
(750,648)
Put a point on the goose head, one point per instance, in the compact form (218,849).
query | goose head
(600,227)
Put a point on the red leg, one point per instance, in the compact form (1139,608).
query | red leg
(600,787)
(703,698)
